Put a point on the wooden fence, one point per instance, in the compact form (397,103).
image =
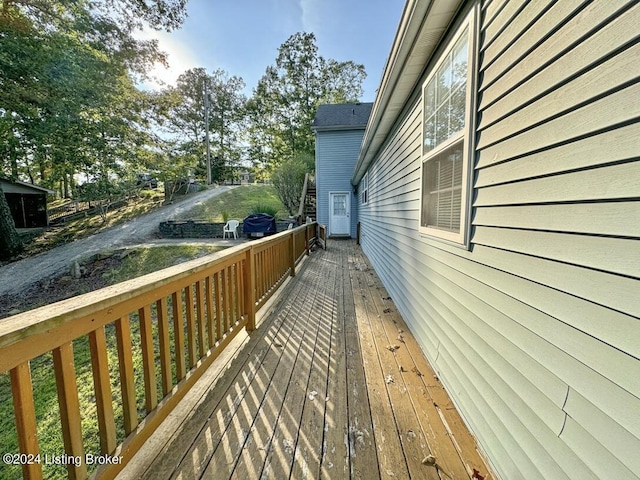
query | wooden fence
(184,317)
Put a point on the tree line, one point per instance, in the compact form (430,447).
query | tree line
(71,110)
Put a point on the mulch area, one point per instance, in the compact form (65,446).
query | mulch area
(61,287)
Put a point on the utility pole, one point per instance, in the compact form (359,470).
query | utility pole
(206,129)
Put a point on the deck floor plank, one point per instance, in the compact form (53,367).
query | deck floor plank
(398,371)
(378,371)
(309,444)
(448,439)
(277,427)
(335,453)
(263,398)
(437,441)
(220,402)
(306,394)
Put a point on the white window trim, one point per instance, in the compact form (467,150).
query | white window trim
(459,238)
(364,193)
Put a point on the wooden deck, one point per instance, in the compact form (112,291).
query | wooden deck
(331,385)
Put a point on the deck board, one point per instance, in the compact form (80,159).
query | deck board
(314,392)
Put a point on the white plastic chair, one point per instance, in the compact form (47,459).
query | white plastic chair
(231,227)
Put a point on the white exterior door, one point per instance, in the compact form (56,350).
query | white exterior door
(339,221)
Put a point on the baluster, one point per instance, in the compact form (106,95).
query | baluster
(261,273)
(249,290)
(292,254)
(25,415)
(191,325)
(165,348)
(306,239)
(102,387)
(201,322)
(67,387)
(178,332)
(125,361)
(238,291)
(257,272)
(227,300)
(218,294)
(209,297)
(241,293)
(148,359)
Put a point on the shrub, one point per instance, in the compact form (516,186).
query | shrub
(288,180)
(264,208)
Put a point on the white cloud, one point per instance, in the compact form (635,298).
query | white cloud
(311,15)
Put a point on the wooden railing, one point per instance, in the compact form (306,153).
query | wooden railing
(178,320)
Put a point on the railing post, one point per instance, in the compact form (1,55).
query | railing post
(250,290)
(292,253)
(324,236)
(306,239)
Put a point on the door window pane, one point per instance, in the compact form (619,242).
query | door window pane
(339,205)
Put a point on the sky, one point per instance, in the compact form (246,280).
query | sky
(242,36)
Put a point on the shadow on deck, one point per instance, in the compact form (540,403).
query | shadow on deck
(331,385)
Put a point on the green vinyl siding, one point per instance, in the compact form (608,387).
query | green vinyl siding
(535,329)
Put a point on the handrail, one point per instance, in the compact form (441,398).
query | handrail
(303,196)
(184,316)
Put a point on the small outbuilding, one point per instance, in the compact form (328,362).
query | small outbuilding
(27,202)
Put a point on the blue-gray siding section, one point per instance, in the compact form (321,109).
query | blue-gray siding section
(535,330)
(336,154)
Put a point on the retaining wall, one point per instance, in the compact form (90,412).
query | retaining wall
(194,229)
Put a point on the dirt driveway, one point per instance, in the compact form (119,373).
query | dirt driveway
(17,276)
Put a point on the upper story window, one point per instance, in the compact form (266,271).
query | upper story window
(446,143)
(364,189)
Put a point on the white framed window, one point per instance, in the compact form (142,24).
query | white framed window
(447,104)
(364,189)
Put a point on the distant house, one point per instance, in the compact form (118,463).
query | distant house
(339,130)
(499,201)
(28,203)
(247,178)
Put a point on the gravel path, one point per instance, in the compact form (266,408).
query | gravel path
(17,276)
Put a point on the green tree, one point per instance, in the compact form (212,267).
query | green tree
(182,109)
(286,98)
(10,243)
(67,95)
(227,105)
(288,180)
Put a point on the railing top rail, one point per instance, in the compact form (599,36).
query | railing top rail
(50,326)
(78,306)
(267,241)
(94,306)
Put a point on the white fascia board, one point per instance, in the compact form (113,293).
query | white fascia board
(422,26)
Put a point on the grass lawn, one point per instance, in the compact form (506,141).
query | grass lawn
(237,203)
(136,263)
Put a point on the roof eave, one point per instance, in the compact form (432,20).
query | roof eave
(329,128)
(28,185)
(422,25)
